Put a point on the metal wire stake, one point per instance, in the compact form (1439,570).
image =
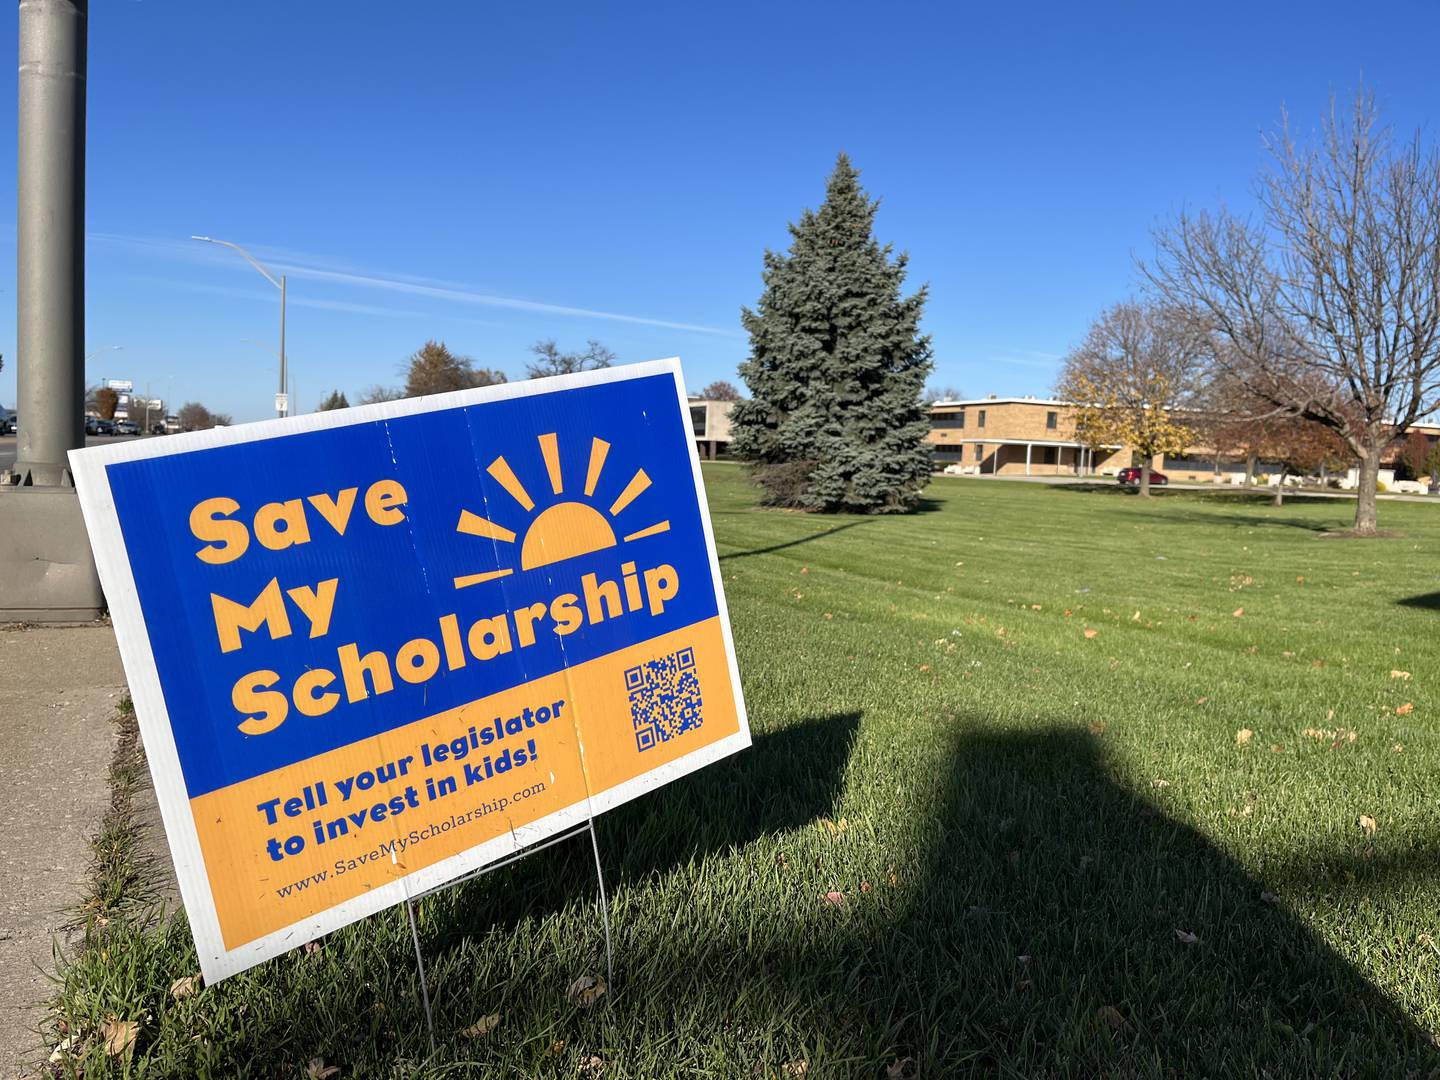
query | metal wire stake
(420,964)
(604,909)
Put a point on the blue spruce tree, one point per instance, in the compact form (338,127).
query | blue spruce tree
(837,366)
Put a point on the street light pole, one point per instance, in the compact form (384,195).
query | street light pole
(281,398)
(287,371)
(47,571)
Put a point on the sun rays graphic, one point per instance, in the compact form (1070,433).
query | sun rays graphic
(564,530)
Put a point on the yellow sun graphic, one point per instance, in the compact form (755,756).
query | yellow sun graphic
(564,530)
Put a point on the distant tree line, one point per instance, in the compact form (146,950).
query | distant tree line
(435,368)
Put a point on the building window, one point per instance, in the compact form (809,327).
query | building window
(1049,454)
(697,419)
(980,422)
(979,450)
(948,420)
(1052,420)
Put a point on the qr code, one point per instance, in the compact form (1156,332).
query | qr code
(664,698)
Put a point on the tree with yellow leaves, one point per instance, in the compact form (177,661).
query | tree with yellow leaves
(1139,363)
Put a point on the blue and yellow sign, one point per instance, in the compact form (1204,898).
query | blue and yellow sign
(373,650)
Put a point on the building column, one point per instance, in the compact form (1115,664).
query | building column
(1028,447)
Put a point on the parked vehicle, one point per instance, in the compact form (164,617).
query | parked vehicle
(96,426)
(9,424)
(126,427)
(1131,477)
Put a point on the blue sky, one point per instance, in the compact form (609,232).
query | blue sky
(491,176)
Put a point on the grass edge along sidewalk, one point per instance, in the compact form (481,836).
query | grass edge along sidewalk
(1046,783)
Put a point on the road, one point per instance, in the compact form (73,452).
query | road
(7,446)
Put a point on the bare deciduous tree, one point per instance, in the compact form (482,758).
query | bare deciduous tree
(196,417)
(549,360)
(933,394)
(374,395)
(1328,307)
(720,390)
(1137,365)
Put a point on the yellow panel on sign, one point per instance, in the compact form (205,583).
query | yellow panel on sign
(296,841)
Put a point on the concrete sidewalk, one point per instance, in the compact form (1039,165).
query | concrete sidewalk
(59,689)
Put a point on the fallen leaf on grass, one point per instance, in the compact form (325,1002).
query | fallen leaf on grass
(1201,700)
(1299,579)
(1398,748)
(1089,633)
(1185,937)
(1394,674)
(318,1070)
(900,1069)
(1097,727)
(1239,611)
(556,1048)
(1107,1016)
(1406,709)
(865,887)
(586,990)
(119,1035)
(1135,617)
(1243,736)
(312,947)
(833,899)
(833,827)
(184,987)
(482,1027)
(1367,824)
(594,1065)
(68,1045)
(1159,783)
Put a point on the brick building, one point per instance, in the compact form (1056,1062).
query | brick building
(1016,437)
(711,422)
(1025,436)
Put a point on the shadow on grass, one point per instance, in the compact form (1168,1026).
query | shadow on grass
(1427,601)
(1181,507)
(786,780)
(1040,934)
(1018,920)
(797,541)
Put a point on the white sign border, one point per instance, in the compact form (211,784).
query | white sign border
(112,560)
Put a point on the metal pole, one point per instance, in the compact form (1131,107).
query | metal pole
(604,910)
(50,249)
(284,388)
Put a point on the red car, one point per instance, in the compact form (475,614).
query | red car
(1131,477)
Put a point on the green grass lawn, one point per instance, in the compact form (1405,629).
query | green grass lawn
(1009,733)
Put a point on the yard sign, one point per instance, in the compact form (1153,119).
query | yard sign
(373,650)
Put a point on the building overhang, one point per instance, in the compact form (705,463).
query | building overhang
(1034,442)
